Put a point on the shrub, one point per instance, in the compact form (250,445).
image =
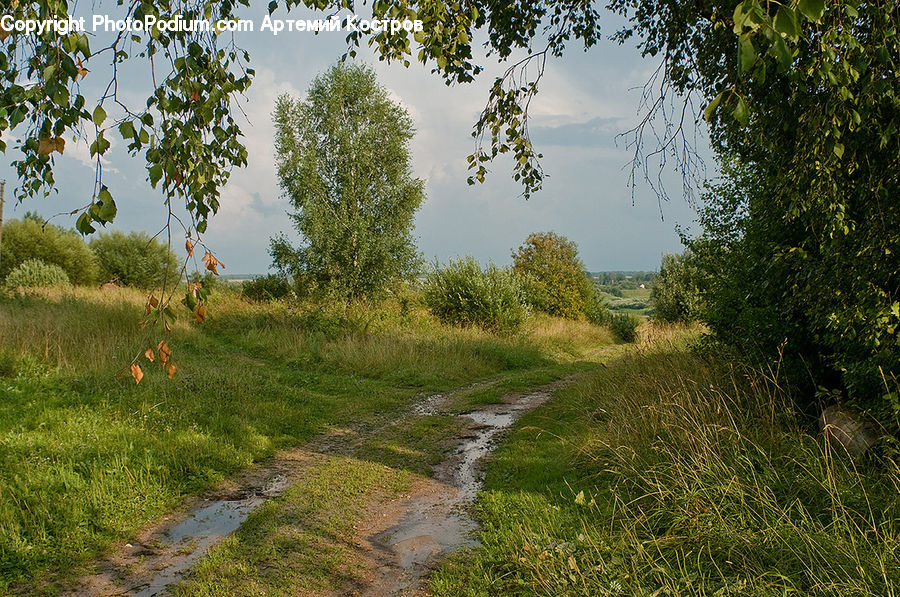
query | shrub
(31,238)
(267,288)
(463,293)
(675,294)
(134,259)
(554,279)
(625,326)
(35,273)
(596,310)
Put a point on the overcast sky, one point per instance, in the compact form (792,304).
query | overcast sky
(585,101)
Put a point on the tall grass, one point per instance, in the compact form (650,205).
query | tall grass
(671,474)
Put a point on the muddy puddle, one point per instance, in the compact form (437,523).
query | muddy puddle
(438,522)
(408,540)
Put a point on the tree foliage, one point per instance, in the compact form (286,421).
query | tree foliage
(553,274)
(675,294)
(134,259)
(344,163)
(32,238)
(801,236)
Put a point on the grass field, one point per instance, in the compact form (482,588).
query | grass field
(88,458)
(667,473)
(661,471)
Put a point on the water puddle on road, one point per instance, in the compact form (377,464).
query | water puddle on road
(438,522)
(180,546)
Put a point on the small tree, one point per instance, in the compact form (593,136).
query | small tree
(134,259)
(32,238)
(344,163)
(675,294)
(554,276)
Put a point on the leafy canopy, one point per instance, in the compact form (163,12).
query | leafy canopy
(553,274)
(134,259)
(344,163)
(32,238)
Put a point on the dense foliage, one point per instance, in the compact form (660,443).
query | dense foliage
(34,273)
(31,238)
(675,294)
(624,326)
(800,238)
(344,163)
(463,293)
(134,259)
(553,275)
(267,288)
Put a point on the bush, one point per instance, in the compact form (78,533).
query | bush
(35,273)
(267,288)
(596,310)
(134,259)
(463,293)
(554,279)
(30,238)
(625,326)
(675,294)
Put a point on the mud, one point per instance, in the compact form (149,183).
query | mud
(433,523)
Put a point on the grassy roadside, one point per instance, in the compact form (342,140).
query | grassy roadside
(86,459)
(666,473)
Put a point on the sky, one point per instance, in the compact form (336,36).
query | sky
(586,101)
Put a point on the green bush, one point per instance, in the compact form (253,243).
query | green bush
(31,238)
(553,276)
(134,259)
(675,294)
(596,310)
(267,288)
(625,326)
(35,273)
(463,293)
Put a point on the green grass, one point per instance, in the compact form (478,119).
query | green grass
(666,473)
(87,458)
(301,541)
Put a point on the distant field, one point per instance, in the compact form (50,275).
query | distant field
(634,301)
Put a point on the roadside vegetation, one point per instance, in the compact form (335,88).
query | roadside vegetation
(671,472)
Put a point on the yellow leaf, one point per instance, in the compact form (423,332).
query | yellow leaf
(212,263)
(150,355)
(47,145)
(81,70)
(136,373)
(573,564)
(200,313)
(189,247)
(165,353)
(170,370)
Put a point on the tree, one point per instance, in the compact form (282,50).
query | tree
(344,163)
(675,293)
(134,259)
(554,275)
(32,238)
(803,231)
